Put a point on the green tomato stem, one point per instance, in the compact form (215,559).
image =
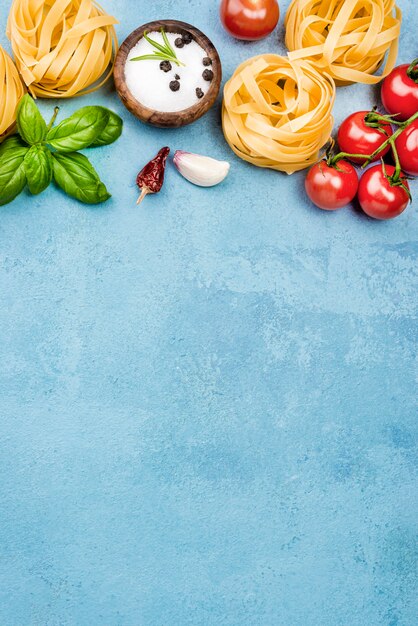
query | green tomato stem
(412,71)
(333,160)
(374,120)
(390,141)
(397,172)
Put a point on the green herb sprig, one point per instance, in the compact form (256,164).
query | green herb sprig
(162,52)
(39,153)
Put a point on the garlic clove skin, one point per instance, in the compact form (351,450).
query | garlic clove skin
(200,170)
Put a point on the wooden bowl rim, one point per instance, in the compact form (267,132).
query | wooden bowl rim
(169,118)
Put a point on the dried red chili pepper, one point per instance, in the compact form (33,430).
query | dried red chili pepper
(151,178)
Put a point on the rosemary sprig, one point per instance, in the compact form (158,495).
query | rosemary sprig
(161,53)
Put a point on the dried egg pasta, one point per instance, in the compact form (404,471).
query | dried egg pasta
(12,90)
(277,113)
(62,48)
(348,39)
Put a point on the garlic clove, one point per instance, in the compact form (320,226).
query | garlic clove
(200,170)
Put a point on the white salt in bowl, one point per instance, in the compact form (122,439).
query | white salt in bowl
(148,91)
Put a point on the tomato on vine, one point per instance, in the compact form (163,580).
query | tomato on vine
(249,19)
(364,132)
(383,192)
(407,148)
(331,186)
(400,91)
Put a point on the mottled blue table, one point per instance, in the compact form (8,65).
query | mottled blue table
(207,403)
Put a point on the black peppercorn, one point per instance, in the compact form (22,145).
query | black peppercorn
(176,76)
(165,66)
(199,93)
(187,38)
(179,43)
(207,61)
(208,75)
(174,85)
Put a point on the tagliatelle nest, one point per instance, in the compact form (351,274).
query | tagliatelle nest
(11,91)
(277,113)
(62,48)
(348,39)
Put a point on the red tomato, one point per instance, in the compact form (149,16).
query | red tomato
(330,188)
(407,147)
(400,91)
(355,137)
(377,197)
(249,19)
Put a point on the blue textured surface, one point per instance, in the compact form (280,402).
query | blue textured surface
(208,402)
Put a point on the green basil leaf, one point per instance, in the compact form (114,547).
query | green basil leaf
(38,168)
(111,131)
(9,145)
(78,131)
(12,169)
(30,123)
(75,174)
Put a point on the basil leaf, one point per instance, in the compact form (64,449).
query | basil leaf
(30,123)
(75,174)
(12,169)
(78,131)
(10,144)
(38,168)
(111,131)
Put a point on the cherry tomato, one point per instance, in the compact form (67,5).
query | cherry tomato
(400,91)
(407,147)
(355,137)
(331,188)
(249,19)
(377,197)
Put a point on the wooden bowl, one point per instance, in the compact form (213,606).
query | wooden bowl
(160,118)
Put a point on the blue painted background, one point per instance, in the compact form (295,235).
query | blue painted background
(207,403)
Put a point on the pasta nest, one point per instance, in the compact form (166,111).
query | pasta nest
(11,91)
(62,48)
(277,113)
(346,38)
